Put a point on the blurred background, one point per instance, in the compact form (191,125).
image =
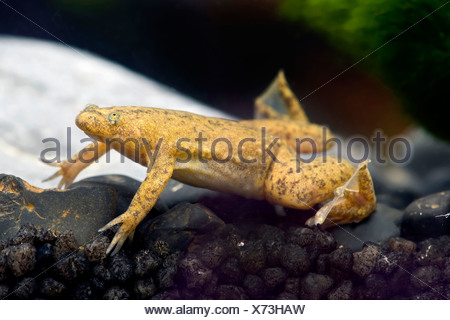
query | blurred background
(224,53)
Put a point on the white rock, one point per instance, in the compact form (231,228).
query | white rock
(44,85)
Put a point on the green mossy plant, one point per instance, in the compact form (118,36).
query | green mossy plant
(412,57)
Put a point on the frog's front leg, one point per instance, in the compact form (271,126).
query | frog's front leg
(143,201)
(69,169)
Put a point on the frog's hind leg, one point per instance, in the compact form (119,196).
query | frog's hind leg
(279,102)
(352,202)
(299,185)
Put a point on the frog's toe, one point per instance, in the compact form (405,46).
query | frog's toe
(126,230)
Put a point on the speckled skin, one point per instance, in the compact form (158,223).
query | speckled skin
(261,167)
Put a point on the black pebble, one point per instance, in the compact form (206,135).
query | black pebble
(21,258)
(95,250)
(230,292)
(344,291)
(165,277)
(300,236)
(121,267)
(25,289)
(51,288)
(254,286)
(230,271)
(364,261)
(315,286)
(375,287)
(83,291)
(102,277)
(4,290)
(26,234)
(295,259)
(426,277)
(193,273)
(146,262)
(425,217)
(65,244)
(252,256)
(292,286)
(144,288)
(274,277)
(116,293)
(3,265)
(213,253)
(72,267)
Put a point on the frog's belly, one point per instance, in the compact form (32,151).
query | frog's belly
(239,178)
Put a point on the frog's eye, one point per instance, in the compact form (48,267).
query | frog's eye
(90,107)
(114,118)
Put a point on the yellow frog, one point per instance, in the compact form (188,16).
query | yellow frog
(253,158)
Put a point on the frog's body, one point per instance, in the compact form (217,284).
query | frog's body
(240,157)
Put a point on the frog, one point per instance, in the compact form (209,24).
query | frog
(257,158)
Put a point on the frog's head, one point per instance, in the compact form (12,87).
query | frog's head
(100,123)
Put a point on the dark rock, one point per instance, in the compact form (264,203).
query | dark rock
(51,288)
(273,252)
(388,263)
(295,260)
(427,217)
(274,277)
(144,288)
(254,286)
(286,296)
(26,234)
(343,291)
(375,287)
(45,235)
(399,282)
(446,273)
(116,293)
(83,291)
(4,290)
(315,286)
(45,255)
(300,236)
(102,277)
(83,209)
(252,256)
(121,267)
(3,265)
(322,263)
(72,267)
(25,289)
(230,292)
(161,248)
(3,244)
(292,286)
(341,258)
(323,241)
(430,251)
(146,262)
(20,259)
(397,244)
(165,277)
(178,226)
(230,271)
(210,288)
(173,294)
(65,244)
(95,250)
(213,253)
(193,273)
(426,277)
(364,261)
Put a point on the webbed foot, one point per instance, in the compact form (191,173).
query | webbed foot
(352,202)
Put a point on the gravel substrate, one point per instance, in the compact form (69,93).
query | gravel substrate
(263,263)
